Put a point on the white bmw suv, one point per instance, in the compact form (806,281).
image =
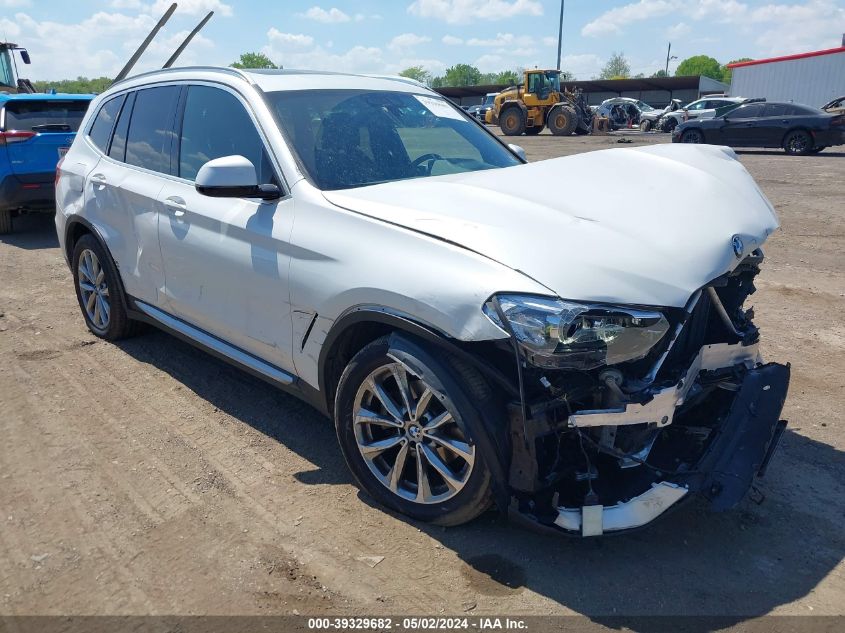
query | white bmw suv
(581,361)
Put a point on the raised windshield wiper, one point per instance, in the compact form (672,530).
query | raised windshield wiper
(52,127)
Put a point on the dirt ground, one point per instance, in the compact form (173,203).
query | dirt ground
(150,478)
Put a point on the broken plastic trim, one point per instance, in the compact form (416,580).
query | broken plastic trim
(660,410)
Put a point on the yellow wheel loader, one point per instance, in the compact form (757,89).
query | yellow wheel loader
(539,102)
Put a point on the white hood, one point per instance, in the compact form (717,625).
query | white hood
(647,225)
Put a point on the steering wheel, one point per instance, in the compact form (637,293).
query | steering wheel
(431,158)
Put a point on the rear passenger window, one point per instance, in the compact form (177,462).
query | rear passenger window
(104,122)
(775,109)
(118,143)
(216,124)
(151,128)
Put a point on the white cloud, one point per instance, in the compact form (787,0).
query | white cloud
(465,11)
(796,28)
(15,4)
(583,65)
(451,40)
(611,22)
(678,31)
(330,16)
(129,4)
(193,7)
(407,41)
(289,41)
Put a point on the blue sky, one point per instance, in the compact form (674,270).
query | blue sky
(95,37)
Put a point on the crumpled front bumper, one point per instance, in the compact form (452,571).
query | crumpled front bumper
(740,450)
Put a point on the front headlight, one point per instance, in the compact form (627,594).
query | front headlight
(569,335)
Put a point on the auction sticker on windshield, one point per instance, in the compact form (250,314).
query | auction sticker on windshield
(439,108)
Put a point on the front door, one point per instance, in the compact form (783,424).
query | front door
(226,260)
(738,126)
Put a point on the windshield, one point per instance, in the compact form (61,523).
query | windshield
(7,77)
(642,105)
(488,100)
(351,138)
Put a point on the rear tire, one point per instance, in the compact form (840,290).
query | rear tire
(562,121)
(5,221)
(378,428)
(798,143)
(99,291)
(512,121)
(692,136)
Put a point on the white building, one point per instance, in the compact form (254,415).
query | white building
(809,78)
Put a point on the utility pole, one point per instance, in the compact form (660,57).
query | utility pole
(560,33)
(669,50)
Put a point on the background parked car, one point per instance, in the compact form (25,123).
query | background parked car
(479,111)
(798,129)
(35,132)
(620,110)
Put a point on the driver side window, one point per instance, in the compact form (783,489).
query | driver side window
(216,124)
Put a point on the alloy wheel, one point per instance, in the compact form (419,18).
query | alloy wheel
(94,290)
(409,438)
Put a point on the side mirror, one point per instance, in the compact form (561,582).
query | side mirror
(25,56)
(233,177)
(516,149)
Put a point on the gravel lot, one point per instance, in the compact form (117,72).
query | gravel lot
(150,478)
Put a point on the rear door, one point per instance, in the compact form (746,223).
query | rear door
(52,124)
(226,260)
(123,189)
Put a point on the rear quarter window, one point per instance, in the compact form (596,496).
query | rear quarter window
(100,133)
(45,116)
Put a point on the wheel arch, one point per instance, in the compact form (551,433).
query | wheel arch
(797,128)
(75,228)
(361,325)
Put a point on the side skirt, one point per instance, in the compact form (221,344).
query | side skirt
(218,348)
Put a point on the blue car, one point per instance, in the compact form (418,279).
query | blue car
(35,132)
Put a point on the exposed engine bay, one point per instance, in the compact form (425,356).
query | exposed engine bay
(614,447)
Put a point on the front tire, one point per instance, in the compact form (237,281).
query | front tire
(405,438)
(100,291)
(692,136)
(562,121)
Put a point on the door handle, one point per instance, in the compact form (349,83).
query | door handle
(98,179)
(176,205)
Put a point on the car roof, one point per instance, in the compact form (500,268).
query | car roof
(276,80)
(44,96)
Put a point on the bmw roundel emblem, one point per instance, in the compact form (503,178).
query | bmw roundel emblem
(738,246)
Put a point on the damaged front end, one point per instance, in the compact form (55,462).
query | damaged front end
(643,410)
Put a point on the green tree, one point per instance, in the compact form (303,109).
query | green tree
(508,77)
(700,65)
(462,75)
(417,73)
(80,85)
(254,60)
(617,67)
(727,73)
(660,73)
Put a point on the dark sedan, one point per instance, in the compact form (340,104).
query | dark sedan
(798,129)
